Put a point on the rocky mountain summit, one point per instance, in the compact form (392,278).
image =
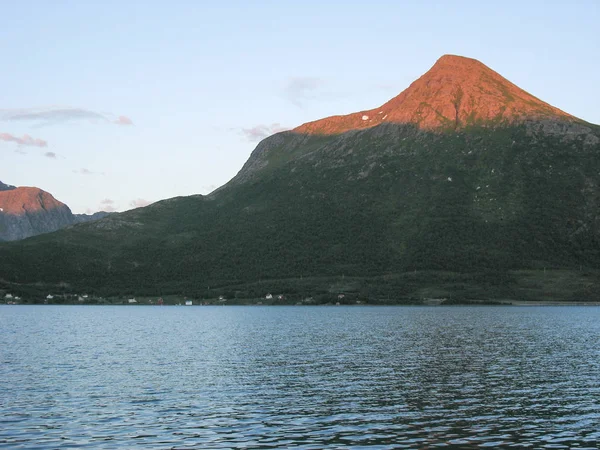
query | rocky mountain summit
(29,211)
(456,92)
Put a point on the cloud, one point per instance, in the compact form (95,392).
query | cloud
(107,205)
(84,171)
(139,203)
(55,115)
(259,132)
(50,115)
(122,120)
(300,89)
(25,140)
(50,155)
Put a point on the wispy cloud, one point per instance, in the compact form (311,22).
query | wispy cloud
(56,115)
(300,89)
(84,171)
(139,203)
(51,155)
(25,140)
(259,132)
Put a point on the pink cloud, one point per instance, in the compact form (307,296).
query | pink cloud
(107,205)
(139,203)
(122,120)
(25,140)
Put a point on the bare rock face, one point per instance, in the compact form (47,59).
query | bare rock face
(27,211)
(454,93)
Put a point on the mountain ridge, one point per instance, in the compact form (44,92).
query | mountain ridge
(6,187)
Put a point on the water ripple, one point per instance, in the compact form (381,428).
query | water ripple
(252,377)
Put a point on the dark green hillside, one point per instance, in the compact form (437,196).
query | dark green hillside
(386,212)
(463,187)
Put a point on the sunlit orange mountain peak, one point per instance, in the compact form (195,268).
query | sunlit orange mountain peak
(454,93)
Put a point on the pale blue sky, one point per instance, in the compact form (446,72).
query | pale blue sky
(202,81)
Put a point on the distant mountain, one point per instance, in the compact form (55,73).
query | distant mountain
(462,187)
(6,187)
(81,218)
(29,211)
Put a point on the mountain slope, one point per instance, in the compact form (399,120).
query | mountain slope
(400,209)
(455,94)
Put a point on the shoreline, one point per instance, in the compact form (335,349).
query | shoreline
(430,303)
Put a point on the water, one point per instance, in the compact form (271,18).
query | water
(304,377)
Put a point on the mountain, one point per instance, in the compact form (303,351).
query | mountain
(81,218)
(6,187)
(462,187)
(29,211)
(455,93)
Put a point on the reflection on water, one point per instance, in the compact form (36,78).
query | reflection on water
(305,377)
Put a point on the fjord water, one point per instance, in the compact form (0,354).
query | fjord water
(304,377)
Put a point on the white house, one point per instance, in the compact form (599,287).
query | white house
(132,300)
(49,296)
(188,303)
(268,297)
(8,296)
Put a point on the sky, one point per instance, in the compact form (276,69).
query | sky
(111,105)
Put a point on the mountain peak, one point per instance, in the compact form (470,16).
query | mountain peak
(456,92)
(458,61)
(25,199)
